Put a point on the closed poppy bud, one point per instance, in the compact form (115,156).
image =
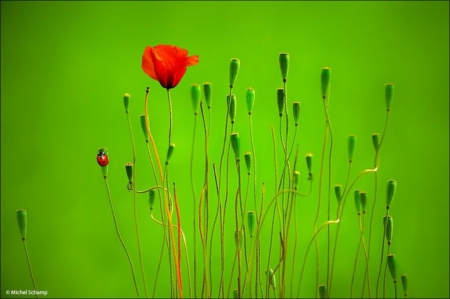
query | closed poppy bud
(323,291)
(392,265)
(167,64)
(284,65)
(389,93)
(351,147)
(236,145)
(338,192)
(271,278)
(251,220)
(376,141)
(309,164)
(126,101)
(326,74)
(22,222)
(207,93)
(296,179)
(390,192)
(296,111)
(280,101)
(231,102)
(236,294)
(248,161)
(363,198)
(234,70)
(129,171)
(357,201)
(170,152)
(151,198)
(388,224)
(195,96)
(404,279)
(250,100)
(144,127)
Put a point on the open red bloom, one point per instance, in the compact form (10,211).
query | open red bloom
(167,64)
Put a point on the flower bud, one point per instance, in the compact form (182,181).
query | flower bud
(296,111)
(404,279)
(151,198)
(363,198)
(338,192)
(389,94)
(326,73)
(195,96)
(231,102)
(250,95)
(280,101)
(170,152)
(207,93)
(236,294)
(251,221)
(323,291)
(392,265)
(284,65)
(271,278)
(236,145)
(144,127)
(248,161)
(357,201)
(234,70)
(376,141)
(351,147)
(126,101)
(390,192)
(296,179)
(309,164)
(22,222)
(388,224)
(129,171)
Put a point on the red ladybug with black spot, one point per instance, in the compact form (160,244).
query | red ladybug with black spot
(102,157)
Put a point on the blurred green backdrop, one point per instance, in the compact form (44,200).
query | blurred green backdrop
(65,66)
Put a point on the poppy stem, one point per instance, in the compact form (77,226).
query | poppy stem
(24,241)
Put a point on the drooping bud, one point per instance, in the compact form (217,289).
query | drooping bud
(280,101)
(248,161)
(195,97)
(392,265)
(351,147)
(326,74)
(388,224)
(338,192)
(170,152)
(231,102)
(296,179)
(236,145)
(126,101)
(357,201)
(390,192)
(363,198)
(389,94)
(129,171)
(323,293)
(271,278)
(234,70)
(250,95)
(284,65)
(207,93)
(143,127)
(376,141)
(151,198)
(22,221)
(404,279)
(296,111)
(251,221)
(309,164)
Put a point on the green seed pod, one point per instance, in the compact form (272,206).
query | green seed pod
(363,198)
(338,192)
(251,221)
(22,222)
(234,70)
(389,93)
(271,278)
(351,147)
(309,164)
(388,224)
(195,96)
(207,93)
(236,145)
(250,95)
(326,73)
(236,294)
(390,192)
(296,179)
(170,152)
(296,111)
(280,101)
(323,293)
(248,161)
(143,126)
(284,65)
(151,198)
(231,102)
(392,265)
(376,141)
(404,279)
(126,101)
(129,170)
(357,201)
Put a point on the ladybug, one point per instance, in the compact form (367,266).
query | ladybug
(102,157)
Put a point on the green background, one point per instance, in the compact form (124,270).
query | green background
(64,69)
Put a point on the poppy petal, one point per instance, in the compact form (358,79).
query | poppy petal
(192,60)
(147,63)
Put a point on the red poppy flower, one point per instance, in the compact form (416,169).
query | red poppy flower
(167,64)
